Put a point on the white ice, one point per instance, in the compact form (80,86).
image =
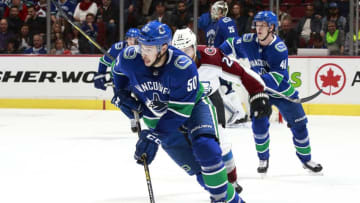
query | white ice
(79,156)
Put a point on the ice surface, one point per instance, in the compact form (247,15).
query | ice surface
(79,156)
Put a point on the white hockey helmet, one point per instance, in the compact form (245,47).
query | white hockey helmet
(219,8)
(184,38)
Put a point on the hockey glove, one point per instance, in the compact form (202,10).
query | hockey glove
(126,103)
(147,146)
(99,81)
(260,106)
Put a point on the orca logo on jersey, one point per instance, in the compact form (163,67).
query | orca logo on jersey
(157,107)
(280,47)
(210,51)
(130,52)
(248,37)
(182,62)
(118,46)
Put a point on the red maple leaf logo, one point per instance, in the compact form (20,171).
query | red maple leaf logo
(330,79)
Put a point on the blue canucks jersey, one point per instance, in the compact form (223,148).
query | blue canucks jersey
(168,92)
(217,31)
(114,51)
(270,62)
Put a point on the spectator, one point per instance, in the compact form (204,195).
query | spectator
(60,48)
(73,41)
(333,15)
(316,41)
(282,12)
(21,6)
(2,8)
(181,17)
(37,47)
(110,16)
(83,8)
(288,35)
(321,8)
(68,6)
(240,19)
(24,38)
(307,25)
(160,13)
(5,34)
(90,28)
(36,24)
(14,20)
(350,40)
(335,39)
(204,6)
(132,16)
(56,32)
(12,47)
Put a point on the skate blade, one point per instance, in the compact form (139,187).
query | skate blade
(263,175)
(310,172)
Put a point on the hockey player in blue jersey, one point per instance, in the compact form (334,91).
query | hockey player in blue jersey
(268,57)
(216,25)
(166,84)
(130,39)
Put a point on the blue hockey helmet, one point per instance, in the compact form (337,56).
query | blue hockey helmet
(268,16)
(132,32)
(155,33)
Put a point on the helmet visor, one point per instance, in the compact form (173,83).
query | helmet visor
(148,50)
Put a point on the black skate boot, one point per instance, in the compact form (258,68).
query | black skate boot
(263,166)
(237,187)
(313,166)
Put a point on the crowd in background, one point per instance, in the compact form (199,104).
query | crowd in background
(303,23)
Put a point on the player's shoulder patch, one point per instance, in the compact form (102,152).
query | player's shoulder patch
(130,52)
(119,45)
(182,62)
(248,37)
(210,51)
(226,19)
(280,46)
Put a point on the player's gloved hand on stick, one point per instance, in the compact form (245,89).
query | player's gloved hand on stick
(99,81)
(148,145)
(259,105)
(126,103)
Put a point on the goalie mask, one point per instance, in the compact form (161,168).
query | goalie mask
(219,9)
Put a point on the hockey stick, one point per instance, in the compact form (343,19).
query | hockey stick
(146,167)
(81,31)
(298,100)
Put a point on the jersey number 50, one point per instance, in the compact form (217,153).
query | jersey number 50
(192,84)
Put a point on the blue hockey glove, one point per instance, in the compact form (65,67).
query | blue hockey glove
(147,145)
(259,105)
(126,103)
(99,81)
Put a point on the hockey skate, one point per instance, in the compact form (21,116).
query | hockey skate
(237,187)
(263,167)
(236,121)
(313,166)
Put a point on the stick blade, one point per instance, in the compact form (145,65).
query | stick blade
(311,97)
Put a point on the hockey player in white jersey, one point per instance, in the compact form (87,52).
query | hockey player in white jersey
(212,64)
